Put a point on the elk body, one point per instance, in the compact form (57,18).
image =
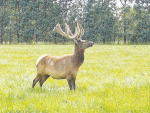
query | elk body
(67,66)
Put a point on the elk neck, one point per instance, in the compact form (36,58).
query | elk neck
(78,56)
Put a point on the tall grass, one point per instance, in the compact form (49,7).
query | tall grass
(112,79)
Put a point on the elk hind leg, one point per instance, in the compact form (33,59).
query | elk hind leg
(44,78)
(37,78)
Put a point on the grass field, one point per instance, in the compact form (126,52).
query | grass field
(112,79)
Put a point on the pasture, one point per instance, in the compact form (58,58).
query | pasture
(112,79)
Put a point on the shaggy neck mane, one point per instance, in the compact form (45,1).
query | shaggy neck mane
(78,57)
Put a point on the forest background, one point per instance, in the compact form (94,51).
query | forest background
(32,21)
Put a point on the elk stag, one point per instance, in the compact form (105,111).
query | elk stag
(67,66)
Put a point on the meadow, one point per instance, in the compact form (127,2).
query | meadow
(113,78)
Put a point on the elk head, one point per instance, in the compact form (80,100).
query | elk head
(77,36)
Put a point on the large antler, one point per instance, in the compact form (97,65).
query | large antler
(79,31)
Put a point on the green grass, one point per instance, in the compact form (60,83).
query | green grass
(112,79)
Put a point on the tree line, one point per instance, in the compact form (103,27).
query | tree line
(32,21)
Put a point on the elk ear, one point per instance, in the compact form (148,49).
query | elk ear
(75,41)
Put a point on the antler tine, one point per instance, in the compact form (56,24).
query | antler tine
(78,30)
(81,31)
(69,33)
(67,30)
(58,29)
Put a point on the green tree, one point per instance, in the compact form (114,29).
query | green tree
(4,19)
(89,18)
(17,18)
(125,9)
(100,21)
(106,21)
(142,19)
(55,16)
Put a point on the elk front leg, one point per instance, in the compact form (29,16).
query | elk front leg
(71,83)
(73,80)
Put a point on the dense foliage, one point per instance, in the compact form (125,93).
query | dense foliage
(32,21)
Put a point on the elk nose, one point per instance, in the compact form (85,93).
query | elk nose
(92,43)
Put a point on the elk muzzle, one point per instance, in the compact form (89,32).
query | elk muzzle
(91,43)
